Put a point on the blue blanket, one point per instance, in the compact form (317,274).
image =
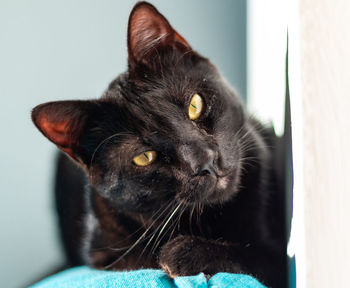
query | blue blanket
(87,277)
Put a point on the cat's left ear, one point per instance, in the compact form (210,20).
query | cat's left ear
(148,31)
(69,125)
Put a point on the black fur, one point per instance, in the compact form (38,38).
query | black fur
(176,213)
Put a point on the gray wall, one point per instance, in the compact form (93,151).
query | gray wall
(52,50)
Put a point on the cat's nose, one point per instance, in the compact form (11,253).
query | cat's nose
(198,157)
(205,164)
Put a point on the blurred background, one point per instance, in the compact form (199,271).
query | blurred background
(55,50)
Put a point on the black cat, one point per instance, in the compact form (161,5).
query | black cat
(177,175)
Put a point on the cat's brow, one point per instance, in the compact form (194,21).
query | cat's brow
(105,141)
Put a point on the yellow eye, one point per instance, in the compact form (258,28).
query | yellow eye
(145,158)
(196,107)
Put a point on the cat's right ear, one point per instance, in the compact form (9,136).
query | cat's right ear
(149,31)
(66,123)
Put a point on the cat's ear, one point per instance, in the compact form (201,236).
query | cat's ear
(148,30)
(65,123)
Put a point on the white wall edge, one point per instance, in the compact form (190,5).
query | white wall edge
(266,45)
(296,244)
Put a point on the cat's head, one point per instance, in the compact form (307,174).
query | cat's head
(170,128)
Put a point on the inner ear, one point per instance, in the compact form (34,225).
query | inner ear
(59,131)
(149,30)
(63,123)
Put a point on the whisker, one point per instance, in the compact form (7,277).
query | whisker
(190,219)
(153,235)
(173,224)
(161,208)
(180,215)
(165,224)
(103,142)
(136,242)
(177,223)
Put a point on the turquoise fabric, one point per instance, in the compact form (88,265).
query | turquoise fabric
(88,277)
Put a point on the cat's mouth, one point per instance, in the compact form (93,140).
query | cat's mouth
(209,189)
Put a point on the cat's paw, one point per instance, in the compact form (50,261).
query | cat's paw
(187,255)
